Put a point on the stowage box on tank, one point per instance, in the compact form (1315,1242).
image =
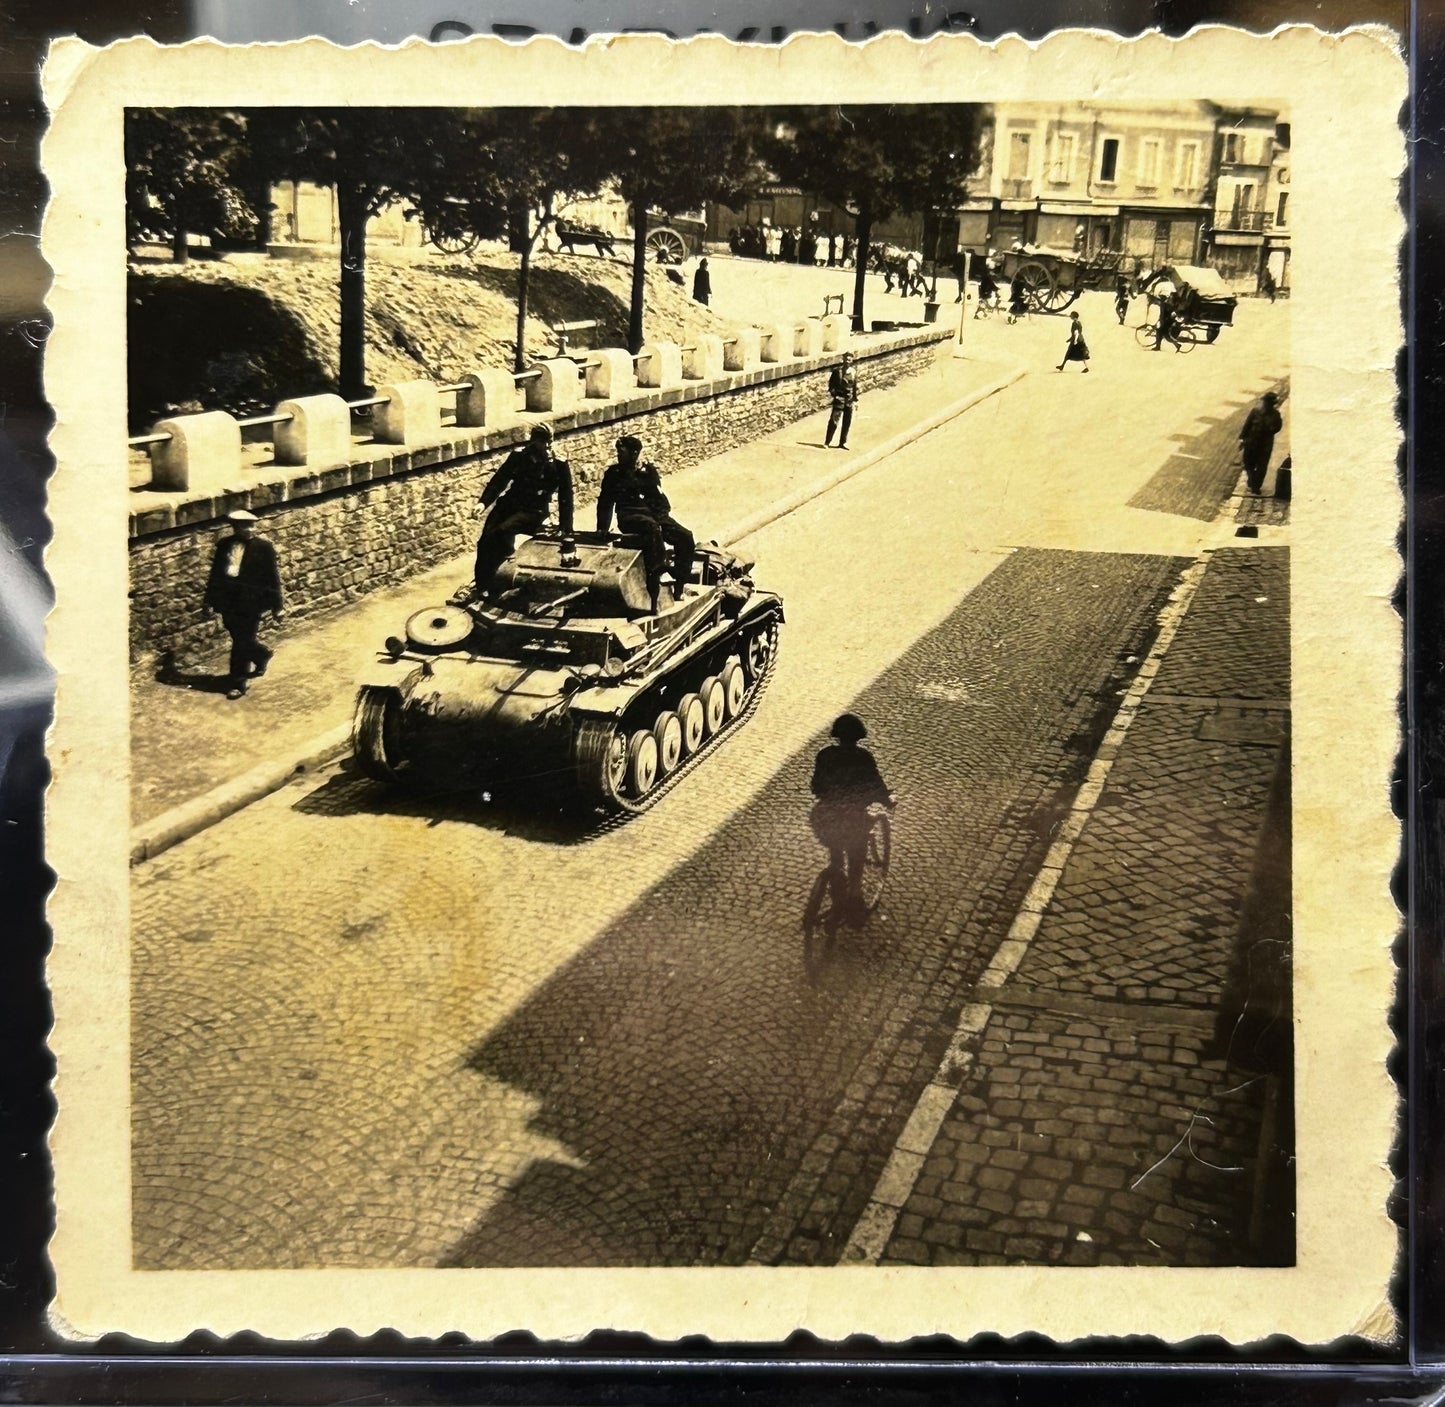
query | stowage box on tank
(562,667)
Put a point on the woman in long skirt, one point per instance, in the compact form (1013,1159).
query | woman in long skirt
(1078,349)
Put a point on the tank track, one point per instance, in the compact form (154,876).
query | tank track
(621,809)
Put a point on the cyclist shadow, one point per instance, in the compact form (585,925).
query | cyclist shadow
(844,926)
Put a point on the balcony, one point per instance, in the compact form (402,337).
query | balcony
(1018,190)
(1252,221)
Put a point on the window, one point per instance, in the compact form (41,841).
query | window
(1109,159)
(1063,167)
(1279,213)
(1149,162)
(1186,165)
(1233,148)
(1019,145)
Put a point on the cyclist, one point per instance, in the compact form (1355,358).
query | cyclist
(846,781)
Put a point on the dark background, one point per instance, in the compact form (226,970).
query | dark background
(37,1367)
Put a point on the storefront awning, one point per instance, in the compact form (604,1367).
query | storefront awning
(975,207)
(1018,205)
(1238,237)
(1067,207)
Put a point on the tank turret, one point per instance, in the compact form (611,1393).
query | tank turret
(562,667)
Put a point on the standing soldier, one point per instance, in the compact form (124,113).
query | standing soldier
(634,490)
(843,388)
(702,282)
(244,584)
(1256,440)
(522,490)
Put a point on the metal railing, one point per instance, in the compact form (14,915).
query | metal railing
(1251,221)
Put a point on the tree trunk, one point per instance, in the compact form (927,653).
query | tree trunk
(180,250)
(351,215)
(519,224)
(639,276)
(863,228)
(519,360)
(261,203)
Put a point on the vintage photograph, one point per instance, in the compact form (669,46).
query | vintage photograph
(710,684)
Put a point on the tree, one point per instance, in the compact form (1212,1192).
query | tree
(185,172)
(670,159)
(370,156)
(877,160)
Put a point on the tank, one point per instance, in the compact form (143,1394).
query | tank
(561,672)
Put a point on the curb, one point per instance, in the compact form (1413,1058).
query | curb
(189,819)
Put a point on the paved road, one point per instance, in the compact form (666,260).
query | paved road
(368,1032)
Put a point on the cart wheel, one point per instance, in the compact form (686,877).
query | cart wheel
(456,243)
(1038,284)
(666,246)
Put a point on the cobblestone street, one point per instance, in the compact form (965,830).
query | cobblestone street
(379,1030)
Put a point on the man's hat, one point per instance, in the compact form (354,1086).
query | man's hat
(541,432)
(1270,398)
(241,516)
(630,442)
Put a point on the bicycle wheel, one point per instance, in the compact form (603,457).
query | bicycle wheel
(1185,340)
(821,920)
(876,860)
(1145,333)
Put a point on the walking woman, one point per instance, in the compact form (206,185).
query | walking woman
(1078,349)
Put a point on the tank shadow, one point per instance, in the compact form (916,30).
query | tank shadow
(533,809)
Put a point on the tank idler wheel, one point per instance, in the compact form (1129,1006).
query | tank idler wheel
(758,651)
(374,732)
(667,733)
(641,763)
(714,704)
(601,760)
(735,688)
(693,718)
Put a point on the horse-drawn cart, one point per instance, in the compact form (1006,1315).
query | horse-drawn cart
(1053,279)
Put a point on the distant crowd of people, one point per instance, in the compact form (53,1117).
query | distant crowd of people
(791,244)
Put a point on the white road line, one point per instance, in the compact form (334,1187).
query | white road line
(870,1236)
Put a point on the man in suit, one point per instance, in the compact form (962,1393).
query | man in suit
(244,584)
(634,490)
(1256,440)
(843,388)
(522,491)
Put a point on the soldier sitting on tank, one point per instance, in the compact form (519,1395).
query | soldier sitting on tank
(634,490)
(846,781)
(520,494)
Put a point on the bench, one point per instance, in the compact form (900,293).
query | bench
(828,300)
(563,331)
(569,236)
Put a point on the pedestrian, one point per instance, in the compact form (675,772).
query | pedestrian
(987,287)
(846,782)
(843,389)
(832,251)
(1256,440)
(520,495)
(634,490)
(788,246)
(1166,328)
(702,282)
(1267,284)
(1018,298)
(1077,349)
(245,583)
(1121,298)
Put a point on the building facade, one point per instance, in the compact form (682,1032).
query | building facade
(1242,216)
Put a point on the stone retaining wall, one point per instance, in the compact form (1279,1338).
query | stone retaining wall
(393,512)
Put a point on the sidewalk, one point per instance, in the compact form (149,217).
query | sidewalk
(1106,1099)
(197,756)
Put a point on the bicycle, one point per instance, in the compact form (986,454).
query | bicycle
(830,906)
(1183,339)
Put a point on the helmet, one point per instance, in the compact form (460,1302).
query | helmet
(849,728)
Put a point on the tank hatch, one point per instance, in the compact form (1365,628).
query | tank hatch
(595,578)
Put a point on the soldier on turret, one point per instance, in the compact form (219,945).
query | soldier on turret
(522,491)
(634,490)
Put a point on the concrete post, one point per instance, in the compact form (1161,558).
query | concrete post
(837,333)
(411,414)
(206,445)
(703,361)
(557,389)
(660,365)
(490,399)
(612,375)
(808,338)
(775,344)
(744,350)
(319,431)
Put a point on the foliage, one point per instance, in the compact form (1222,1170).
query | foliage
(185,171)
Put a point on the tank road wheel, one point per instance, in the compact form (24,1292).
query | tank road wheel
(375,732)
(600,760)
(758,654)
(693,718)
(735,688)
(641,763)
(714,704)
(667,732)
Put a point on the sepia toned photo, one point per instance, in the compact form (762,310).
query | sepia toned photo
(724,700)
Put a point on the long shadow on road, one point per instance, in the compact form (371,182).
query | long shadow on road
(686,1061)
